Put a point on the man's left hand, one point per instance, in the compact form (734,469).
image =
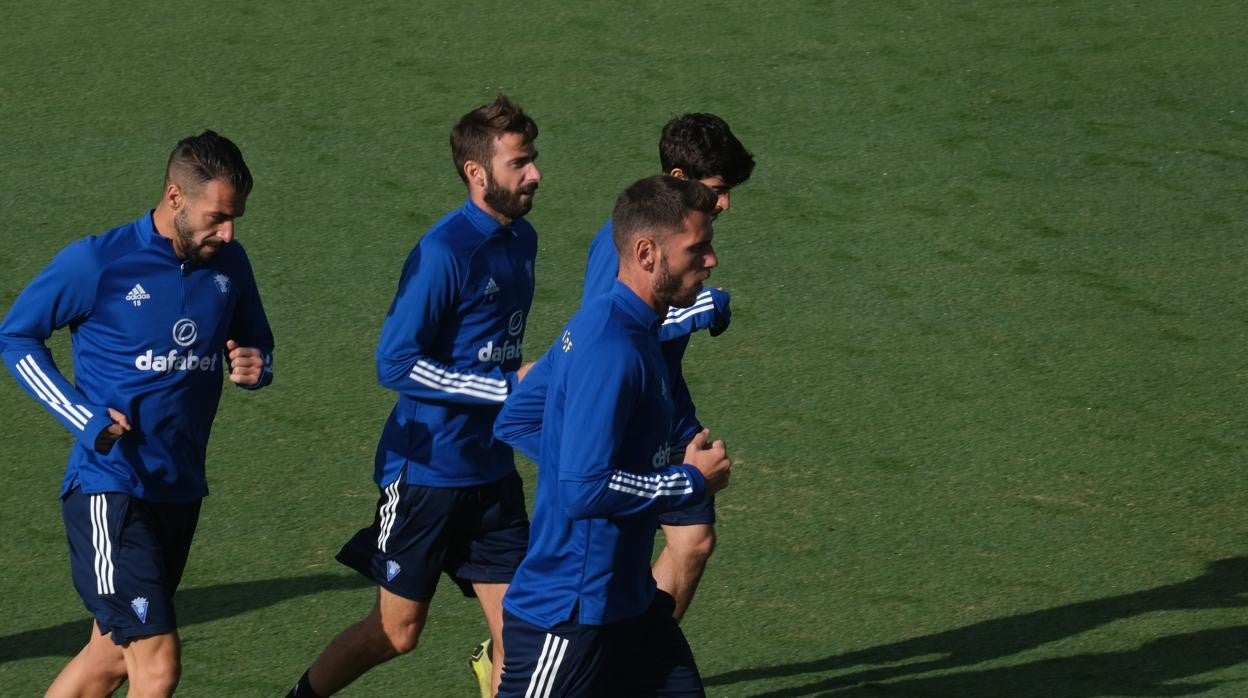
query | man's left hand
(246,363)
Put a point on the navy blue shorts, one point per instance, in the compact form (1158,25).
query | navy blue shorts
(474,534)
(127,557)
(643,656)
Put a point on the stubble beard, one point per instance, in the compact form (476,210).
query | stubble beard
(186,236)
(669,290)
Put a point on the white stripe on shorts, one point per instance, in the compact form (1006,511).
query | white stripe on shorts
(388,513)
(543,679)
(103,545)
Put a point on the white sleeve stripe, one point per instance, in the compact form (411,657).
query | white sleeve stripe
(38,389)
(651,487)
(666,492)
(440,373)
(459,390)
(675,315)
(653,480)
(55,391)
(700,303)
(34,384)
(434,368)
(441,380)
(703,298)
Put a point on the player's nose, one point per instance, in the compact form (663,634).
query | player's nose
(723,202)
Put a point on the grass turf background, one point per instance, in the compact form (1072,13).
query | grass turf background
(984,381)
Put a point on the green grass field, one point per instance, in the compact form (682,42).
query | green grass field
(985,383)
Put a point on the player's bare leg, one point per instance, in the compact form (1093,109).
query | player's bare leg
(391,629)
(154,664)
(682,561)
(491,598)
(98,670)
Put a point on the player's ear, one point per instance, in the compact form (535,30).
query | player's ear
(175,198)
(645,252)
(475,172)
(678,173)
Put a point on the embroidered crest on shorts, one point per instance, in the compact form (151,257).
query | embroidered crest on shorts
(392,570)
(140,608)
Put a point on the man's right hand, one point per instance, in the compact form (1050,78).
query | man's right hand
(711,459)
(109,435)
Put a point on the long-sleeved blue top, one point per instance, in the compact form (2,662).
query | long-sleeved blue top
(450,347)
(605,475)
(149,333)
(520,423)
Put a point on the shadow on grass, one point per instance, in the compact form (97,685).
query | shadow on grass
(1156,668)
(197,605)
(1143,670)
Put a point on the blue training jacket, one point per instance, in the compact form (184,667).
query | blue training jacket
(605,476)
(520,423)
(450,347)
(148,336)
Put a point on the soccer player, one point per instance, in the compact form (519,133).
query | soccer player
(692,146)
(158,307)
(451,499)
(582,616)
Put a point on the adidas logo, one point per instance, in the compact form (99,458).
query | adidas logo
(491,288)
(137,295)
(392,570)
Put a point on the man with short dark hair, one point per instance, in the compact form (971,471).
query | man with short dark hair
(450,497)
(692,146)
(582,617)
(699,147)
(158,307)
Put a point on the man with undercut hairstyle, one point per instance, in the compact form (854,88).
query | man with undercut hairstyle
(450,497)
(583,616)
(159,309)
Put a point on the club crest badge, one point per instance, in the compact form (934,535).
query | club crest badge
(392,570)
(140,608)
(223,283)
